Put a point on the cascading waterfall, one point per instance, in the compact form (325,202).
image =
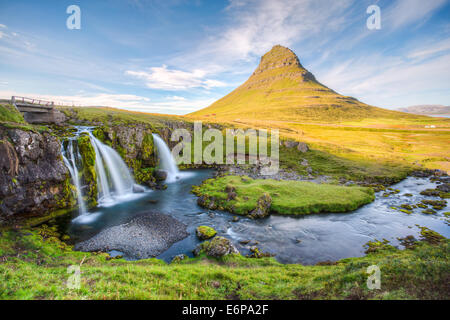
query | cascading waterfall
(114,179)
(121,179)
(167,161)
(73,169)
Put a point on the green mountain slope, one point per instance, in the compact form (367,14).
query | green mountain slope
(282,89)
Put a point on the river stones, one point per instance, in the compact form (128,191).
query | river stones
(143,237)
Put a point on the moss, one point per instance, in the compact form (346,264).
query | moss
(205,232)
(430,236)
(147,147)
(294,197)
(34,266)
(376,246)
(436,204)
(88,172)
(407,206)
(428,211)
(9,113)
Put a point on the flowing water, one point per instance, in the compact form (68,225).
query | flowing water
(114,181)
(307,239)
(166,160)
(72,165)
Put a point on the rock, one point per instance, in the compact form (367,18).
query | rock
(309,170)
(256,253)
(33,177)
(144,236)
(445,187)
(304,163)
(160,175)
(217,247)
(302,147)
(262,207)
(235,219)
(207,202)
(205,232)
(179,258)
(290,144)
(138,189)
(231,196)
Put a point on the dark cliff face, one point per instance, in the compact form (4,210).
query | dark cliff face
(33,177)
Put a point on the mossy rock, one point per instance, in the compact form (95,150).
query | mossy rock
(88,172)
(428,211)
(217,247)
(205,232)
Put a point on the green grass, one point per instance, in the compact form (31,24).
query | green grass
(34,266)
(288,197)
(114,116)
(8,113)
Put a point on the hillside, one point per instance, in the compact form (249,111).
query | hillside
(282,89)
(428,109)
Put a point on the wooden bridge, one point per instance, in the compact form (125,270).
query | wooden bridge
(37,110)
(32,105)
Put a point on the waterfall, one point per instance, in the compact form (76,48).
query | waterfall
(114,179)
(73,170)
(166,160)
(122,181)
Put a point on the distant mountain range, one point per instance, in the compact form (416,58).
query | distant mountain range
(282,89)
(428,109)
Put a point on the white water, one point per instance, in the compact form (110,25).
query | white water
(72,166)
(166,160)
(121,180)
(114,180)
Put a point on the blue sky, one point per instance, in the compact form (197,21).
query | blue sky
(177,56)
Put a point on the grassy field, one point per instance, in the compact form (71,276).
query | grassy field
(288,197)
(373,145)
(282,94)
(34,266)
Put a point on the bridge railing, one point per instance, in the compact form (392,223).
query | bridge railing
(15,99)
(40,102)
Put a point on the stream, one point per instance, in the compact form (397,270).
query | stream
(306,239)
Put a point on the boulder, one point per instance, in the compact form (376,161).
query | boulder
(179,258)
(217,247)
(160,175)
(262,207)
(302,147)
(205,232)
(138,189)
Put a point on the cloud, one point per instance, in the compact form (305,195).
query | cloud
(254,26)
(391,81)
(430,50)
(2,26)
(171,105)
(406,12)
(171,79)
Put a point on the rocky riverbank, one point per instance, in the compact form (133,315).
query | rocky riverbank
(142,237)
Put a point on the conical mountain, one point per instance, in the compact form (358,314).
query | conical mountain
(282,89)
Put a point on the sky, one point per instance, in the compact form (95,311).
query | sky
(178,56)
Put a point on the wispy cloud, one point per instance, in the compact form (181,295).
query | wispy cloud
(407,12)
(171,79)
(391,81)
(171,105)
